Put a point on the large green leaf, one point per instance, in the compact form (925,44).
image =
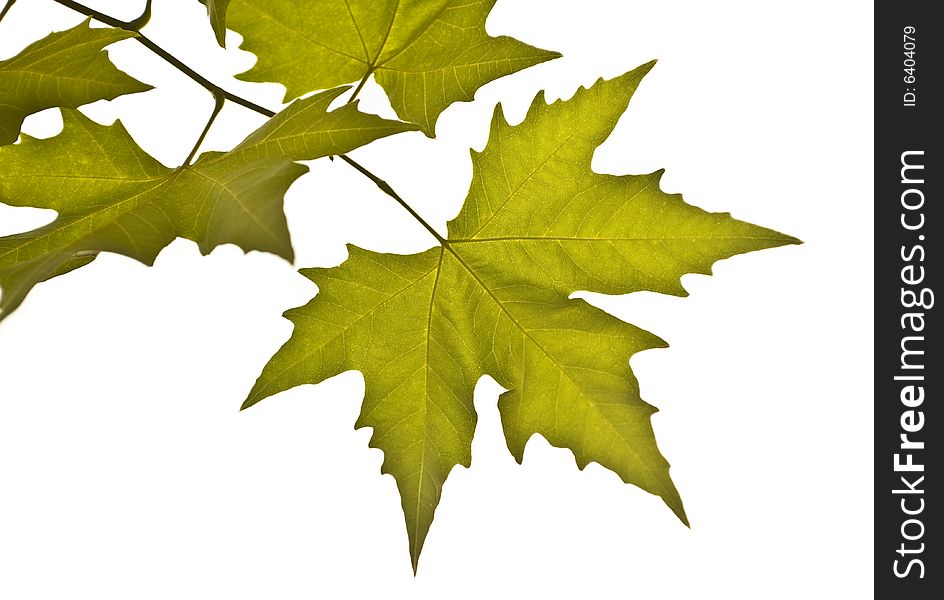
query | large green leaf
(66,69)
(111,196)
(537,225)
(426,54)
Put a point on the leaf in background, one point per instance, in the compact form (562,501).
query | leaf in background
(426,54)
(216,9)
(538,224)
(112,197)
(66,69)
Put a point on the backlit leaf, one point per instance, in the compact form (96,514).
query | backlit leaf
(426,54)
(66,69)
(112,197)
(494,298)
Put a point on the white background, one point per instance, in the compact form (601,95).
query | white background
(126,470)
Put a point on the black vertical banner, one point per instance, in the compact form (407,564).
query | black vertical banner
(909,370)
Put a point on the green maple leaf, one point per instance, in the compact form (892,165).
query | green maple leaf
(426,54)
(216,9)
(67,69)
(112,197)
(493,299)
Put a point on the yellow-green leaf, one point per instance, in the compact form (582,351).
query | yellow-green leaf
(112,197)
(494,298)
(216,10)
(426,54)
(67,69)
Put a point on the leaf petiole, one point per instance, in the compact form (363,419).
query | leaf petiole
(360,85)
(143,18)
(219,101)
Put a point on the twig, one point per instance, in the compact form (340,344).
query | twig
(167,56)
